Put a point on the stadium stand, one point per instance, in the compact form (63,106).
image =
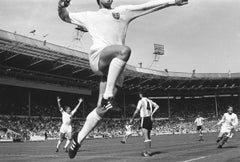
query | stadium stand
(33,73)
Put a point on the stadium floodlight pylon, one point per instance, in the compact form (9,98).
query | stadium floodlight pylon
(77,38)
(158,51)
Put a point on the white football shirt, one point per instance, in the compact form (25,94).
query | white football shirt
(104,28)
(109,26)
(145,106)
(230,120)
(66,118)
(199,121)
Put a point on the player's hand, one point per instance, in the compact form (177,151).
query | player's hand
(131,121)
(181,2)
(64,3)
(215,125)
(80,100)
(152,119)
(232,127)
(58,99)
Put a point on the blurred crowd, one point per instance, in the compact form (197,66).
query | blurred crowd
(45,119)
(27,127)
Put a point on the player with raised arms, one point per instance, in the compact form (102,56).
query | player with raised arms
(66,128)
(108,54)
(228,124)
(147,108)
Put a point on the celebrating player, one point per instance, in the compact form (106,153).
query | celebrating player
(147,108)
(108,54)
(199,121)
(128,132)
(66,128)
(229,123)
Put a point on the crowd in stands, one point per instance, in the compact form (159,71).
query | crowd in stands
(47,119)
(106,128)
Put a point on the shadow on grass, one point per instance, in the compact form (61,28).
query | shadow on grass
(157,153)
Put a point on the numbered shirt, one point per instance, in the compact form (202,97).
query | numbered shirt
(145,106)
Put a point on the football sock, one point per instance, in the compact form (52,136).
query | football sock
(59,143)
(67,143)
(219,139)
(91,121)
(115,69)
(147,144)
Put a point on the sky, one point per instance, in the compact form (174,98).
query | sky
(203,35)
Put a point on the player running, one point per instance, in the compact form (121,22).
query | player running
(108,54)
(147,108)
(128,132)
(199,122)
(66,128)
(229,123)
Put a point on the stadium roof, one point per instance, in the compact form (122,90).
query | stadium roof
(30,59)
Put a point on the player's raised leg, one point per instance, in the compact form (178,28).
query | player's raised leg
(112,62)
(91,121)
(219,138)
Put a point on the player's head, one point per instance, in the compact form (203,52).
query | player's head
(198,115)
(230,109)
(104,3)
(68,109)
(141,95)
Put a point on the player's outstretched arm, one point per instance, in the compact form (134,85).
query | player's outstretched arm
(134,115)
(80,100)
(62,10)
(221,121)
(59,104)
(139,105)
(152,6)
(195,121)
(156,107)
(73,18)
(235,122)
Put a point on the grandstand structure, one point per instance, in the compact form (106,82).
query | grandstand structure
(33,63)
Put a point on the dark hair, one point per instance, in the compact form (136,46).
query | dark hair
(141,93)
(66,107)
(229,107)
(98,1)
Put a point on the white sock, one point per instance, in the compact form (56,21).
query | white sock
(115,69)
(89,125)
(58,144)
(67,143)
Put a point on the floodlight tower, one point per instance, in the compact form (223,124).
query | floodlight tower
(77,38)
(158,51)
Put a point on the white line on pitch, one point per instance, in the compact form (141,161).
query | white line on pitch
(202,157)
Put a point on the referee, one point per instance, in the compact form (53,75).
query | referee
(147,108)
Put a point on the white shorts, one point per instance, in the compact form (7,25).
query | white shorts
(94,61)
(225,129)
(128,133)
(67,130)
